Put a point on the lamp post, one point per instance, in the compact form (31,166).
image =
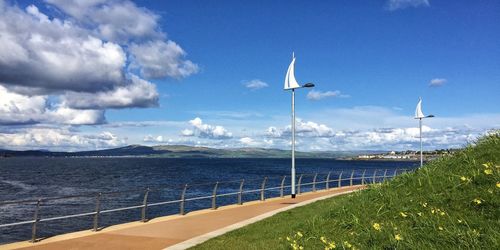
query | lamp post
(291,83)
(420,115)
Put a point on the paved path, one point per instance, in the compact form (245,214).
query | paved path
(176,231)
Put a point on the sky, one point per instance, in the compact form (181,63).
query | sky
(84,75)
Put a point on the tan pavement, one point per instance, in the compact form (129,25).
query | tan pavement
(169,231)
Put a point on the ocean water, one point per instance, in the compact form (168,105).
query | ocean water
(123,181)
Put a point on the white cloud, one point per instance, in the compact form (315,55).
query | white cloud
(208,131)
(318,95)
(403,4)
(83,57)
(55,54)
(158,59)
(58,139)
(20,109)
(247,141)
(150,138)
(255,84)
(303,129)
(436,82)
(114,20)
(139,93)
(187,132)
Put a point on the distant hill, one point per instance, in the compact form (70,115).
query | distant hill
(182,151)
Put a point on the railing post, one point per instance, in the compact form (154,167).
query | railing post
(240,194)
(97,212)
(395,172)
(374,176)
(282,186)
(327,185)
(35,221)
(352,175)
(299,183)
(363,177)
(263,189)
(183,200)
(340,179)
(145,206)
(314,182)
(385,175)
(214,196)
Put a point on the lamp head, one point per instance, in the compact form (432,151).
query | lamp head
(429,116)
(308,85)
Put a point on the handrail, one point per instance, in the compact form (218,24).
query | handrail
(239,192)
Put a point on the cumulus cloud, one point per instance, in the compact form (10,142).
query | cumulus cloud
(85,57)
(16,109)
(436,82)
(403,4)
(255,84)
(404,138)
(139,93)
(58,139)
(187,132)
(114,20)
(302,129)
(251,142)
(150,138)
(318,95)
(54,54)
(158,59)
(203,130)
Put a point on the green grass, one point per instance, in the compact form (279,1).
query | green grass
(430,208)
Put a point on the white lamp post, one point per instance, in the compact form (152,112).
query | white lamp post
(291,84)
(419,115)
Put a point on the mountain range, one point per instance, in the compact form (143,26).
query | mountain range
(182,151)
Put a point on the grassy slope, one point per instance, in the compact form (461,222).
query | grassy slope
(457,221)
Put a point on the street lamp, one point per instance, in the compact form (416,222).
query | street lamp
(291,84)
(420,115)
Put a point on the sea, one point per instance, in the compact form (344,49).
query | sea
(68,186)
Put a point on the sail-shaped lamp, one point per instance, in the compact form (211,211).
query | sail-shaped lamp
(420,115)
(292,84)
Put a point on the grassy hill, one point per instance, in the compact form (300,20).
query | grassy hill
(450,203)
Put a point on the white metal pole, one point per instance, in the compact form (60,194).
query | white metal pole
(293,143)
(421,154)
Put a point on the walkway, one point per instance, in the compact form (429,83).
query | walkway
(176,231)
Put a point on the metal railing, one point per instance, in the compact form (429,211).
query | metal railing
(329,181)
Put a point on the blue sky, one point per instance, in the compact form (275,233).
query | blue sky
(167,63)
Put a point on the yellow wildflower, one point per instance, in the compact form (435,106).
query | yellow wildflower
(460,221)
(463,178)
(323,239)
(477,201)
(419,214)
(442,213)
(440,228)
(377,226)
(404,215)
(488,171)
(299,234)
(398,237)
(498,184)
(424,204)
(288,238)
(332,245)
(347,244)
(432,210)
(486,165)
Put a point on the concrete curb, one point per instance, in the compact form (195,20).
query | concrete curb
(202,238)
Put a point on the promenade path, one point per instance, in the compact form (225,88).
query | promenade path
(178,231)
